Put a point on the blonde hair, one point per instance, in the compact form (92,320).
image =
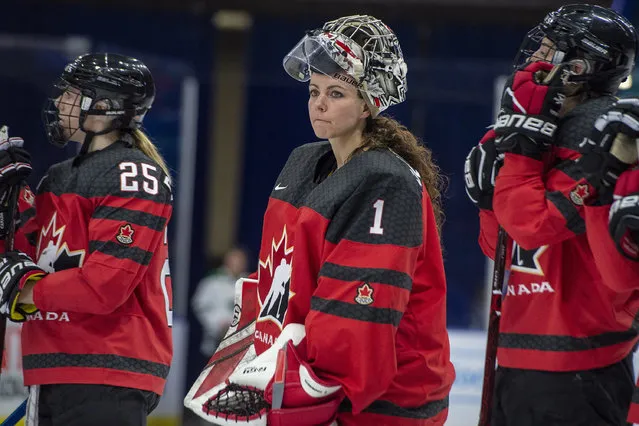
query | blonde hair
(384,132)
(144,144)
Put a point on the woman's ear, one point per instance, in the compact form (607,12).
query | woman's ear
(366,112)
(101,105)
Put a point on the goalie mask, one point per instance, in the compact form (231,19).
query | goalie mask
(360,50)
(597,43)
(122,86)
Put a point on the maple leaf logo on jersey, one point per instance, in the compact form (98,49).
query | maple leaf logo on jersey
(364,294)
(527,260)
(278,267)
(126,234)
(579,194)
(53,253)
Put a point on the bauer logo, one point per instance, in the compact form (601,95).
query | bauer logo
(519,121)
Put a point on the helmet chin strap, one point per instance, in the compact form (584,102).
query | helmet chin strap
(90,135)
(86,143)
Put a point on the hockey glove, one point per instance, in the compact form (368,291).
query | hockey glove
(623,220)
(611,149)
(480,170)
(530,107)
(15,161)
(16,268)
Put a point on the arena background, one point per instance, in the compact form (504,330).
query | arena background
(226,116)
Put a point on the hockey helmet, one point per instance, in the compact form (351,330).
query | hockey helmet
(598,43)
(124,84)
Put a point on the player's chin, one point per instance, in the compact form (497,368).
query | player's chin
(322,131)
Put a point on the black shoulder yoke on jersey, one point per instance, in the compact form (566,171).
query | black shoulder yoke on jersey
(348,196)
(101,172)
(578,123)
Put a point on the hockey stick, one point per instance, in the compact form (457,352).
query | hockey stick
(493,330)
(14,192)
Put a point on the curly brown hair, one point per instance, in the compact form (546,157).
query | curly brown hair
(385,132)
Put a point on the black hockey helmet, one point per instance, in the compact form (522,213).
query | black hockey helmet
(599,41)
(124,84)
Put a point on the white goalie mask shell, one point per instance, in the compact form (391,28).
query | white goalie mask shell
(358,49)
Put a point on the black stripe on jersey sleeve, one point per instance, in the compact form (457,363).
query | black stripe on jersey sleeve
(157,223)
(370,275)
(110,248)
(557,343)
(635,395)
(574,221)
(387,408)
(356,312)
(113,362)
(401,218)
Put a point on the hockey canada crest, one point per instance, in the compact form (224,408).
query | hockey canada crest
(364,294)
(276,268)
(527,260)
(579,194)
(53,253)
(125,234)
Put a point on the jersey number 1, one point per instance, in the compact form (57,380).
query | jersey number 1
(377,221)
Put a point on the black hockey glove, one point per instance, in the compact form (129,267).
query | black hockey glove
(623,219)
(16,268)
(15,161)
(530,107)
(15,165)
(611,149)
(480,170)
(15,168)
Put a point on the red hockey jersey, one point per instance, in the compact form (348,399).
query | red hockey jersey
(105,307)
(557,314)
(356,258)
(618,273)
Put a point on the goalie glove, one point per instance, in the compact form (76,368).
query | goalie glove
(292,393)
(16,268)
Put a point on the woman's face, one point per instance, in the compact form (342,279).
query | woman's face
(68,105)
(545,52)
(334,106)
